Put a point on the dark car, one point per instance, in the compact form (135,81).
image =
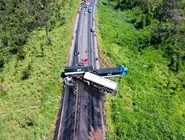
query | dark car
(90,9)
(76,53)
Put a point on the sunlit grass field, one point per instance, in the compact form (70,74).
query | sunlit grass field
(31,88)
(150,104)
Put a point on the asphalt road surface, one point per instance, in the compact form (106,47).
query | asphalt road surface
(80,116)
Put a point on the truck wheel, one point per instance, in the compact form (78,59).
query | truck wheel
(88,83)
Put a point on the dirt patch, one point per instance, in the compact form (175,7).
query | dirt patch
(95,135)
(100,109)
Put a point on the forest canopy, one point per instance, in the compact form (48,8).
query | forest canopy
(148,36)
(19,18)
(166,19)
(35,36)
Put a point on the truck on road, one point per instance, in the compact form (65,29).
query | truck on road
(103,84)
(94,77)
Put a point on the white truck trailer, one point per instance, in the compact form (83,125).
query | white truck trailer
(103,84)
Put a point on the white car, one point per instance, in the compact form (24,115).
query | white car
(93,29)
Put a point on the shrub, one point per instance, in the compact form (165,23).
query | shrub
(2,63)
(25,74)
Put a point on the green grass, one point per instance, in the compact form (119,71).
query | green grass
(151,99)
(28,108)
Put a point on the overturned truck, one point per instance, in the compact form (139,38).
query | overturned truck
(103,84)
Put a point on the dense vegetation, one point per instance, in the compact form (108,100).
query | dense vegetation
(34,39)
(148,36)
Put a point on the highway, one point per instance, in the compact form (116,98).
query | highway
(80,116)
